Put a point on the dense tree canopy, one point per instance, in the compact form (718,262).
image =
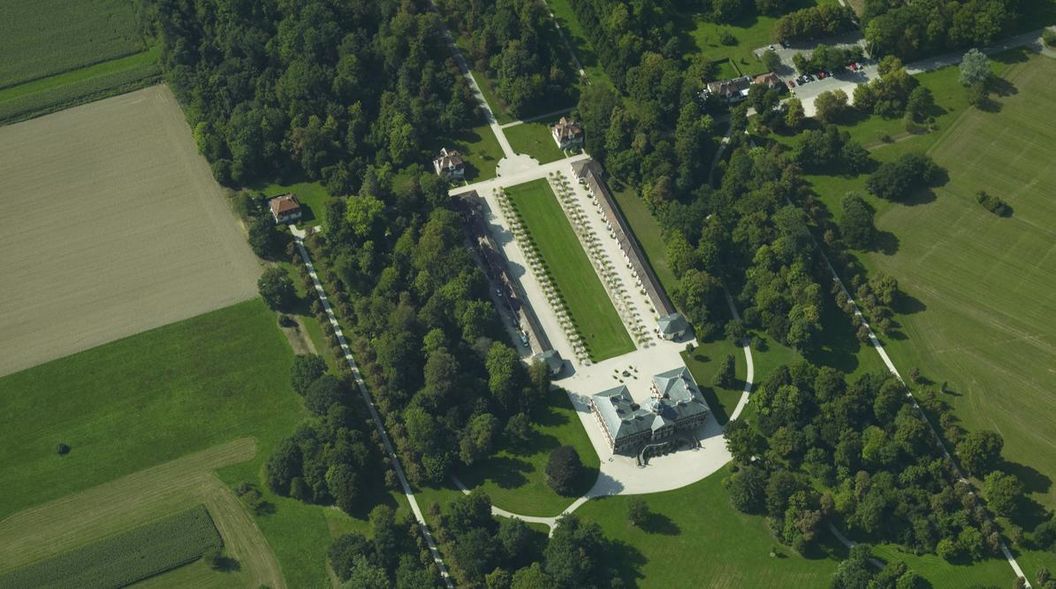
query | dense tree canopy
(315,87)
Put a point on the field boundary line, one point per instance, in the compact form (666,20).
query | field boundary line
(243,539)
(77,519)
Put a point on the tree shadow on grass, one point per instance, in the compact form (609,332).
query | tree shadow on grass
(658,523)
(907,304)
(886,243)
(226,564)
(1033,481)
(627,561)
(839,348)
(717,408)
(505,471)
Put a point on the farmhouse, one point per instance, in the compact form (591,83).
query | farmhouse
(285,208)
(568,134)
(676,406)
(449,164)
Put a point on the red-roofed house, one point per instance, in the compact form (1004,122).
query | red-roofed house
(285,208)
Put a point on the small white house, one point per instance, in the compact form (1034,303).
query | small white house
(449,164)
(568,134)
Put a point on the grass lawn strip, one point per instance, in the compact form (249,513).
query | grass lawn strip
(78,86)
(125,558)
(535,139)
(574,276)
(480,151)
(515,478)
(312,196)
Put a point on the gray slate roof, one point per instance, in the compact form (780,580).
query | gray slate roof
(680,399)
(673,323)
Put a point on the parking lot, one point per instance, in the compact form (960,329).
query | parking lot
(844,80)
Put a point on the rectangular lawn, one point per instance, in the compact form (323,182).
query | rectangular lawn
(573,275)
(535,140)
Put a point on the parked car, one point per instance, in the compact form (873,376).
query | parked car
(791,83)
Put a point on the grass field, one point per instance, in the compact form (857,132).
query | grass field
(144,400)
(573,275)
(647,231)
(515,479)
(983,287)
(993,572)
(480,150)
(696,539)
(980,287)
(39,38)
(125,558)
(112,224)
(535,140)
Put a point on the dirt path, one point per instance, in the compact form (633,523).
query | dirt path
(80,518)
(243,540)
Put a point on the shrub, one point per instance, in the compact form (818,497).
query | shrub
(563,469)
(305,370)
(993,204)
(727,38)
(1049,37)
(856,222)
(62,449)
(637,512)
(277,289)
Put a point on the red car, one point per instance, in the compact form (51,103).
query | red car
(791,84)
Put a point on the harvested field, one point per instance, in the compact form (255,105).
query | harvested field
(128,557)
(112,225)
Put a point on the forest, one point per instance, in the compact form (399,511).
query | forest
(515,43)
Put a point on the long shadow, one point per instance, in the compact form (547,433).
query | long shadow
(1033,481)
(717,409)
(840,347)
(920,196)
(658,523)
(886,243)
(907,304)
(504,471)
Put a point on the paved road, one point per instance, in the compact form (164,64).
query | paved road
(378,423)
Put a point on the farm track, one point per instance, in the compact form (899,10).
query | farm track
(112,225)
(80,518)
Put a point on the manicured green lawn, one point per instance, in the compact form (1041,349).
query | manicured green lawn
(981,288)
(697,539)
(535,140)
(480,150)
(515,478)
(703,362)
(312,196)
(573,275)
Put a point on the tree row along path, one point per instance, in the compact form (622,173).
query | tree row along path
(374,415)
(879,347)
